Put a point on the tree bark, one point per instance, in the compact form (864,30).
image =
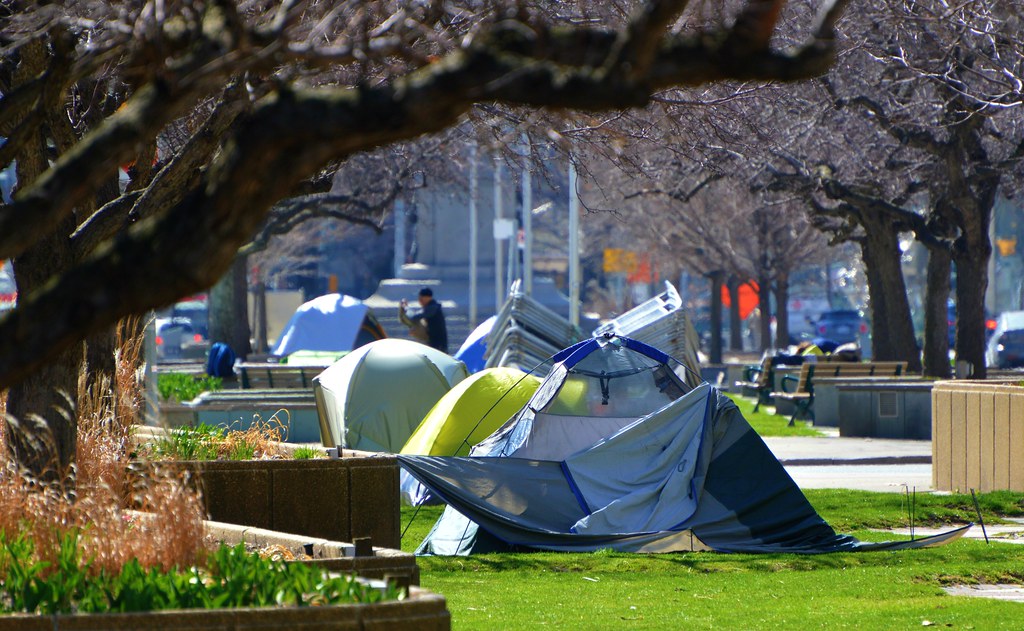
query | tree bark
(971,284)
(781,290)
(229,309)
(260,307)
(735,323)
(99,357)
(936,314)
(893,328)
(41,412)
(764,301)
(880,345)
(716,317)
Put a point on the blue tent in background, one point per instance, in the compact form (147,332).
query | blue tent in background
(615,450)
(474,348)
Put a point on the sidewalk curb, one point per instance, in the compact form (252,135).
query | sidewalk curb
(829,462)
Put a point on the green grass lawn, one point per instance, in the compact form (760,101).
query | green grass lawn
(767,424)
(869,590)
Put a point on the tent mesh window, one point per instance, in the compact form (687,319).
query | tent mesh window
(614,381)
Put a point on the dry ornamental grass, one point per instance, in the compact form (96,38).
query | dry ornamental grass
(96,503)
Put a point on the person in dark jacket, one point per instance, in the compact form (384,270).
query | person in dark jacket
(429,317)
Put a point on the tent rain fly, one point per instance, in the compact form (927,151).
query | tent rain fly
(615,450)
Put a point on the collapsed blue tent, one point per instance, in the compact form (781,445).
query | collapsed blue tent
(614,450)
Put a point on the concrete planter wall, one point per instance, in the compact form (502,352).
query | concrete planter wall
(295,409)
(884,408)
(339,499)
(826,395)
(977,436)
(334,556)
(421,611)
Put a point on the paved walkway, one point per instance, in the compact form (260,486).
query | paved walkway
(867,464)
(836,450)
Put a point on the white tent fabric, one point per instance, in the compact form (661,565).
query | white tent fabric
(375,397)
(327,323)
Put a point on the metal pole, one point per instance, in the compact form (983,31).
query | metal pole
(151,394)
(574,247)
(473,237)
(527,187)
(399,236)
(499,254)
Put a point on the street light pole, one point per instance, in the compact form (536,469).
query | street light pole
(527,188)
(574,247)
(499,254)
(399,237)
(473,237)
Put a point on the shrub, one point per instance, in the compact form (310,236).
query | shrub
(176,386)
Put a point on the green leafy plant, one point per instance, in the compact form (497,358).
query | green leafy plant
(208,442)
(307,453)
(189,443)
(231,577)
(176,386)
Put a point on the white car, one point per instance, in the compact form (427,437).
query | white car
(1006,346)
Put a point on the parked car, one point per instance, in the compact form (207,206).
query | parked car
(177,338)
(1006,346)
(842,326)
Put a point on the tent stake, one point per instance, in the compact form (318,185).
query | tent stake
(913,513)
(981,521)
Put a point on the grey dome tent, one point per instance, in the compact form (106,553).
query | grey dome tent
(614,450)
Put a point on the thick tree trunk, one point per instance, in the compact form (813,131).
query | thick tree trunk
(971,284)
(735,323)
(43,422)
(260,307)
(41,417)
(936,312)
(229,309)
(890,306)
(716,317)
(880,347)
(781,291)
(764,303)
(99,357)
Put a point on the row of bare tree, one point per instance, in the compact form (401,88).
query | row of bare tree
(231,119)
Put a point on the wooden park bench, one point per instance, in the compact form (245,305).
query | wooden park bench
(259,376)
(757,379)
(802,397)
(761,379)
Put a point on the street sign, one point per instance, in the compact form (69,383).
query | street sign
(504,228)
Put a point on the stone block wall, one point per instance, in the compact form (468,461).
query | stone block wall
(338,499)
(977,436)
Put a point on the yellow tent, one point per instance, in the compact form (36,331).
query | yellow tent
(454,424)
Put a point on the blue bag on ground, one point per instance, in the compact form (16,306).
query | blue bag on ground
(221,361)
